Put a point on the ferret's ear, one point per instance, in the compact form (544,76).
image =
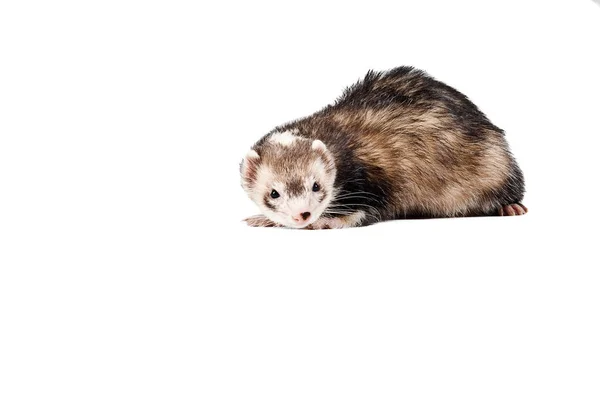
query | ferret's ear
(326,156)
(318,145)
(249,166)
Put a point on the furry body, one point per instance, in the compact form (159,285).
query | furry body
(402,144)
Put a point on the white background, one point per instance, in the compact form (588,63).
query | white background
(125,273)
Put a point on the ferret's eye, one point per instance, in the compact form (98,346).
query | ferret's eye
(316,187)
(274,194)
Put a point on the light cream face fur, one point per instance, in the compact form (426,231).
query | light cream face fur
(279,175)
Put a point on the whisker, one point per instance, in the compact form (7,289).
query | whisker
(372,209)
(358,198)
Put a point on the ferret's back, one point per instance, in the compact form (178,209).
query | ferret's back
(439,153)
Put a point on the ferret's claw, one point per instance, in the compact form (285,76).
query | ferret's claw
(515,209)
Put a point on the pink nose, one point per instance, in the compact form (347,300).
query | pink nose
(302,217)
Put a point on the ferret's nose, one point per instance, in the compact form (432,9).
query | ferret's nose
(302,217)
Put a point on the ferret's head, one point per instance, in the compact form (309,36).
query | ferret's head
(290,178)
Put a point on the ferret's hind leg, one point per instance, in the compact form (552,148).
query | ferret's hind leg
(514,209)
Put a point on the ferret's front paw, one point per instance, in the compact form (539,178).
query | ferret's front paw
(260,221)
(326,223)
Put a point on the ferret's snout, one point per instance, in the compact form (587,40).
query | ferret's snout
(301,217)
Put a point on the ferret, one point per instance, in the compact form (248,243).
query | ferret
(397,144)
